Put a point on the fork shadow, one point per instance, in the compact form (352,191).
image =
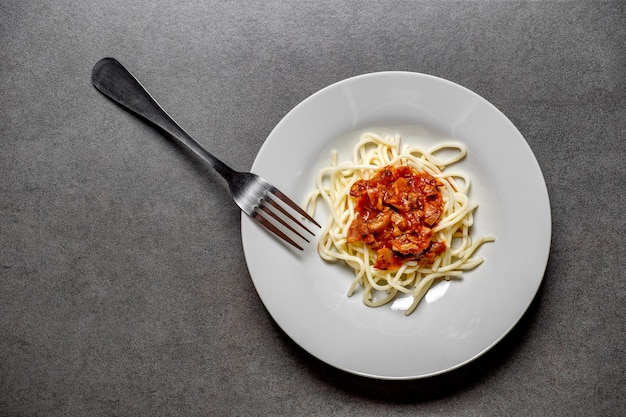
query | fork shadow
(426,389)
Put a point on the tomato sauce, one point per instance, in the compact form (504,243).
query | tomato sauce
(396,211)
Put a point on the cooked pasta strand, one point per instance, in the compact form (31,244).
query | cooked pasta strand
(382,286)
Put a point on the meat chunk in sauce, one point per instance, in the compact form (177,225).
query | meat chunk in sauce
(395,213)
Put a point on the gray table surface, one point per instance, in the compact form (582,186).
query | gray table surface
(123,285)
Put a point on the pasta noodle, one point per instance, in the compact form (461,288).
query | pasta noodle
(380,286)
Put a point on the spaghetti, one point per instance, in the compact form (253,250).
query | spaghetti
(367,228)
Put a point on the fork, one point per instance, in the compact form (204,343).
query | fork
(254,195)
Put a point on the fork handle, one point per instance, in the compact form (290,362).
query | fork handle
(116,82)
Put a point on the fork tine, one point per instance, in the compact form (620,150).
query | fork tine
(293,205)
(276,217)
(271,227)
(280,208)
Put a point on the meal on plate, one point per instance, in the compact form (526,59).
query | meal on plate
(397,218)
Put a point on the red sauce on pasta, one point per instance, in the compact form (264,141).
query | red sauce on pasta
(396,211)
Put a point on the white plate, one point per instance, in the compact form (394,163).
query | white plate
(458,321)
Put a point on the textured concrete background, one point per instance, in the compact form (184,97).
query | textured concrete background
(123,287)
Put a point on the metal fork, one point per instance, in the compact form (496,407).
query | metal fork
(254,195)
